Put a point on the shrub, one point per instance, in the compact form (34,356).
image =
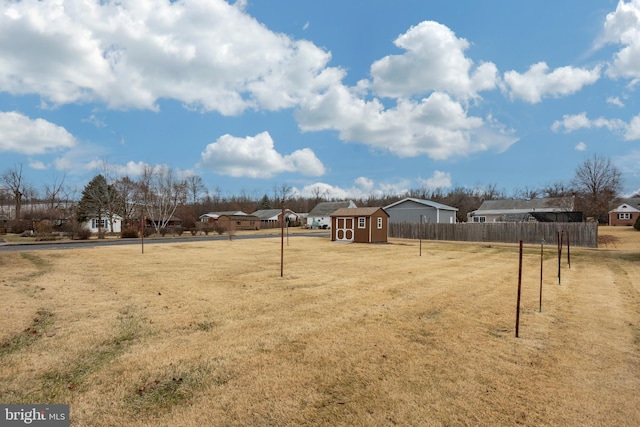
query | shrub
(44,227)
(129,233)
(82,233)
(18,226)
(637,224)
(220,230)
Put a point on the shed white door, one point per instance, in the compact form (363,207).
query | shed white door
(344,229)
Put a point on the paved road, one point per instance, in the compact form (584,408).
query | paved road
(79,244)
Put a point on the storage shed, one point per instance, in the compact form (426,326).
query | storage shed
(360,225)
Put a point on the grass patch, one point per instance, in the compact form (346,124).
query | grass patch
(161,391)
(57,385)
(38,328)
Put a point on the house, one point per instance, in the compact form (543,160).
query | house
(360,225)
(212,217)
(626,213)
(103,224)
(271,218)
(233,222)
(320,215)
(413,210)
(551,209)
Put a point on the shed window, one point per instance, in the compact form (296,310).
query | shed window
(379,223)
(362,222)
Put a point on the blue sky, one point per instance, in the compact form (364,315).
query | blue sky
(349,97)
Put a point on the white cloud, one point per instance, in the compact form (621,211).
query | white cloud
(256,157)
(570,123)
(436,126)
(438,180)
(538,82)
(623,27)
(633,130)
(38,165)
(21,134)
(434,61)
(93,120)
(209,55)
(614,100)
(581,146)
(629,163)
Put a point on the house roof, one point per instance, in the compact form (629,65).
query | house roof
(265,214)
(327,208)
(242,216)
(632,201)
(625,207)
(358,211)
(217,214)
(550,204)
(423,202)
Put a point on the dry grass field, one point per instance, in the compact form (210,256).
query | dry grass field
(209,334)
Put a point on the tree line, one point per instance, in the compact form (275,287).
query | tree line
(160,194)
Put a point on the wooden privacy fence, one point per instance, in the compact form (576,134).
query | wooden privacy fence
(580,233)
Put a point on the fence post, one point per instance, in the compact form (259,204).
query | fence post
(519,288)
(541,262)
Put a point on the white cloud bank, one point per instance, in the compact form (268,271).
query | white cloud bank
(256,157)
(212,56)
(21,134)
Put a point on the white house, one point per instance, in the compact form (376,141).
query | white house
(320,215)
(96,224)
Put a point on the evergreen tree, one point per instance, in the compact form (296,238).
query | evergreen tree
(99,200)
(265,203)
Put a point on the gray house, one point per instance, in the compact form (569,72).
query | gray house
(411,210)
(551,209)
(320,215)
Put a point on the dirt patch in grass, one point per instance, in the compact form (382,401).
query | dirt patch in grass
(209,334)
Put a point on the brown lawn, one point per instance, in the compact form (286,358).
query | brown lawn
(198,334)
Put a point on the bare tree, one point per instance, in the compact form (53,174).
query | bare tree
(15,184)
(597,181)
(126,189)
(557,189)
(53,192)
(160,194)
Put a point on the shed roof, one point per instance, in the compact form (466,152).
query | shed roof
(358,211)
(422,202)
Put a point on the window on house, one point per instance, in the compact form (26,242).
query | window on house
(98,223)
(624,215)
(362,222)
(379,223)
(479,219)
